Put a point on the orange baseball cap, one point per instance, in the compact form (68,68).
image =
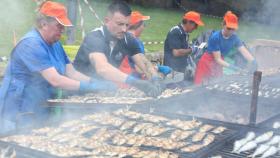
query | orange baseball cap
(231,20)
(57,11)
(193,16)
(136,17)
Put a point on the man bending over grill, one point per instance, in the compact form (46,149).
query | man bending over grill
(219,45)
(38,64)
(103,50)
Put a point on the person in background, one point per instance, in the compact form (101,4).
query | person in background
(104,48)
(37,65)
(219,45)
(135,28)
(176,44)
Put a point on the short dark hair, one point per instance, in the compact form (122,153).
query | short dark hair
(119,6)
(184,21)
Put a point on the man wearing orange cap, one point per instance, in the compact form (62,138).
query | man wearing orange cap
(38,64)
(176,46)
(136,27)
(219,45)
(104,48)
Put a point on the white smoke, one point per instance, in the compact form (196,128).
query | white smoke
(264,11)
(15,16)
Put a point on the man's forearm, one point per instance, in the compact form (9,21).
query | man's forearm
(72,73)
(111,73)
(79,76)
(181,52)
(247,55)
(59,81)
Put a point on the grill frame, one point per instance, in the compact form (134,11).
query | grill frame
(198,154)
(156,105)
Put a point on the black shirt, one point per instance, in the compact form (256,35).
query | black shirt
(176,38)
(100,40)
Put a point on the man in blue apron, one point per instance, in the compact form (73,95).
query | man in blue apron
(38,64)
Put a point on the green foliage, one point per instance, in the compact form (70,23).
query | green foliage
(18,15)
(71,51)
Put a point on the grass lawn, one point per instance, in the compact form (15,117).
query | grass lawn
(156,29)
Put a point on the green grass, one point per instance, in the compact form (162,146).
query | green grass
(19,17)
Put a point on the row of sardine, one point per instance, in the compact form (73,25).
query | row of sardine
(265,144)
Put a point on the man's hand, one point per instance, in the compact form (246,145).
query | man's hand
(194,49)
(164,69)
(150,89)
(97,85)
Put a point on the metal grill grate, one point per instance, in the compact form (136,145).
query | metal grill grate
(243,86)
(219,140)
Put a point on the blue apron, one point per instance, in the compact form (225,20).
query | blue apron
(28,96)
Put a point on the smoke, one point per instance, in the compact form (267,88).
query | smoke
(270,12)
(264,11)
(15,16)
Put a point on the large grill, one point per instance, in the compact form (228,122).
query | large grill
(210,105)
(114,136)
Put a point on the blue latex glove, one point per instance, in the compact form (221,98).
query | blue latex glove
(130,79)
(235,68)
(97,85)
(164,69)
(149,88)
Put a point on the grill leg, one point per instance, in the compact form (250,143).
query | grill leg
(254,99)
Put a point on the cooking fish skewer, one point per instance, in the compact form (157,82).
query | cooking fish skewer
(274,140)
(239,143)
(264,137)
(260,150)
(205,128)
(271,151)
(276,125)
(219,130)
(208,139)
(198,136)
(248,146)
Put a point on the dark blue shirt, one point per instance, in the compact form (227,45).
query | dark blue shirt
(99,40)
(142,50)
(176,38)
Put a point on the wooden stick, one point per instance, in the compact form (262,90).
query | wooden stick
(14,38)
